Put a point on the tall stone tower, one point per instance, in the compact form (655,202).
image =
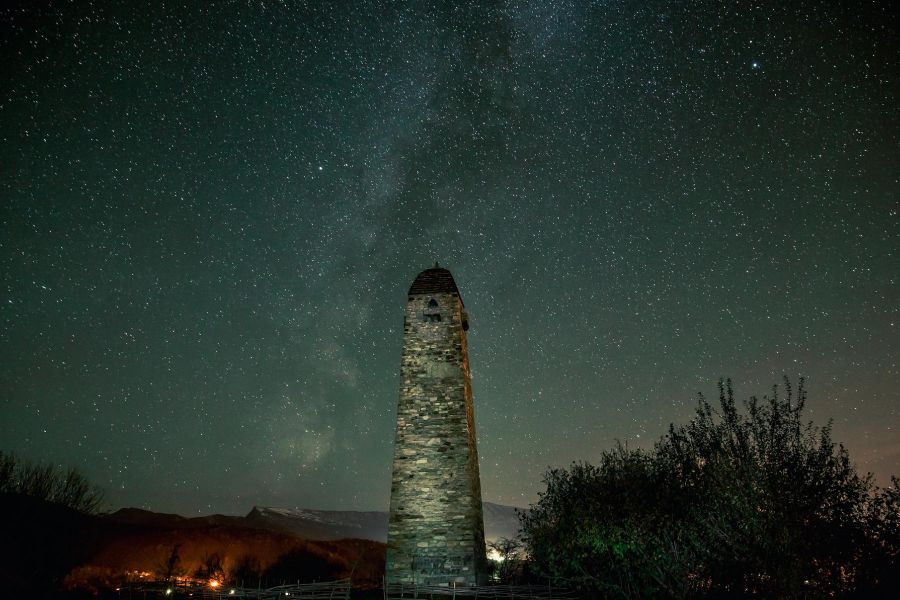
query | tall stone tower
(436,526)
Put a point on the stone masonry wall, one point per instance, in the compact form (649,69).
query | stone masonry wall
(436,527)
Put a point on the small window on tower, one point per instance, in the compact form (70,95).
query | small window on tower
(432,314)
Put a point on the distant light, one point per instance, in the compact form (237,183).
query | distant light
(214,584)
(755,65)
(169,592)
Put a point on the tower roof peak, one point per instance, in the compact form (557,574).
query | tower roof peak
(436,280)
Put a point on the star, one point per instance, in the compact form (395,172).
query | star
(627,214)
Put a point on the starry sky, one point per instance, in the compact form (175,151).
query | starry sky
(210,215)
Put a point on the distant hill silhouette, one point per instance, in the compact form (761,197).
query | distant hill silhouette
(499,521)
(45,547)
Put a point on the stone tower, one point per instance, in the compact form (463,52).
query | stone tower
(436,526)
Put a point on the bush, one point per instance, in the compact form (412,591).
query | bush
(731,505)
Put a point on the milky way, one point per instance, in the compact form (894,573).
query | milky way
(210,216)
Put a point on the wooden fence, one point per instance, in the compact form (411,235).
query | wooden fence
(411,591)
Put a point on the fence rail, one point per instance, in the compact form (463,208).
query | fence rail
(411,591)
(325,590)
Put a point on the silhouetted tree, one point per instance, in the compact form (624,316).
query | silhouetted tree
(509,558)
(211,569)
(47,482)
(731,504)
(171,566)
(247,571)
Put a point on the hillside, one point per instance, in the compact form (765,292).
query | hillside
(55,546)
(499,521)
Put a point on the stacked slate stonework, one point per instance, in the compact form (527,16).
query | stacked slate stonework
(436,527)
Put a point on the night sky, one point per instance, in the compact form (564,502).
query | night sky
(210,216)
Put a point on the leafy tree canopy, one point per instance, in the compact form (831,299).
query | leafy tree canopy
(735,503)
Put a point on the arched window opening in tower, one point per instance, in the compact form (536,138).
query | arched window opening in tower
(432,314)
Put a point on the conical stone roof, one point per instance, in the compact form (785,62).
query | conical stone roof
(435,280)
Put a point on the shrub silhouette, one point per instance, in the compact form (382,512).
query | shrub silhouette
(732,504)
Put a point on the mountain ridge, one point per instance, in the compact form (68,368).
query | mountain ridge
(311,524)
